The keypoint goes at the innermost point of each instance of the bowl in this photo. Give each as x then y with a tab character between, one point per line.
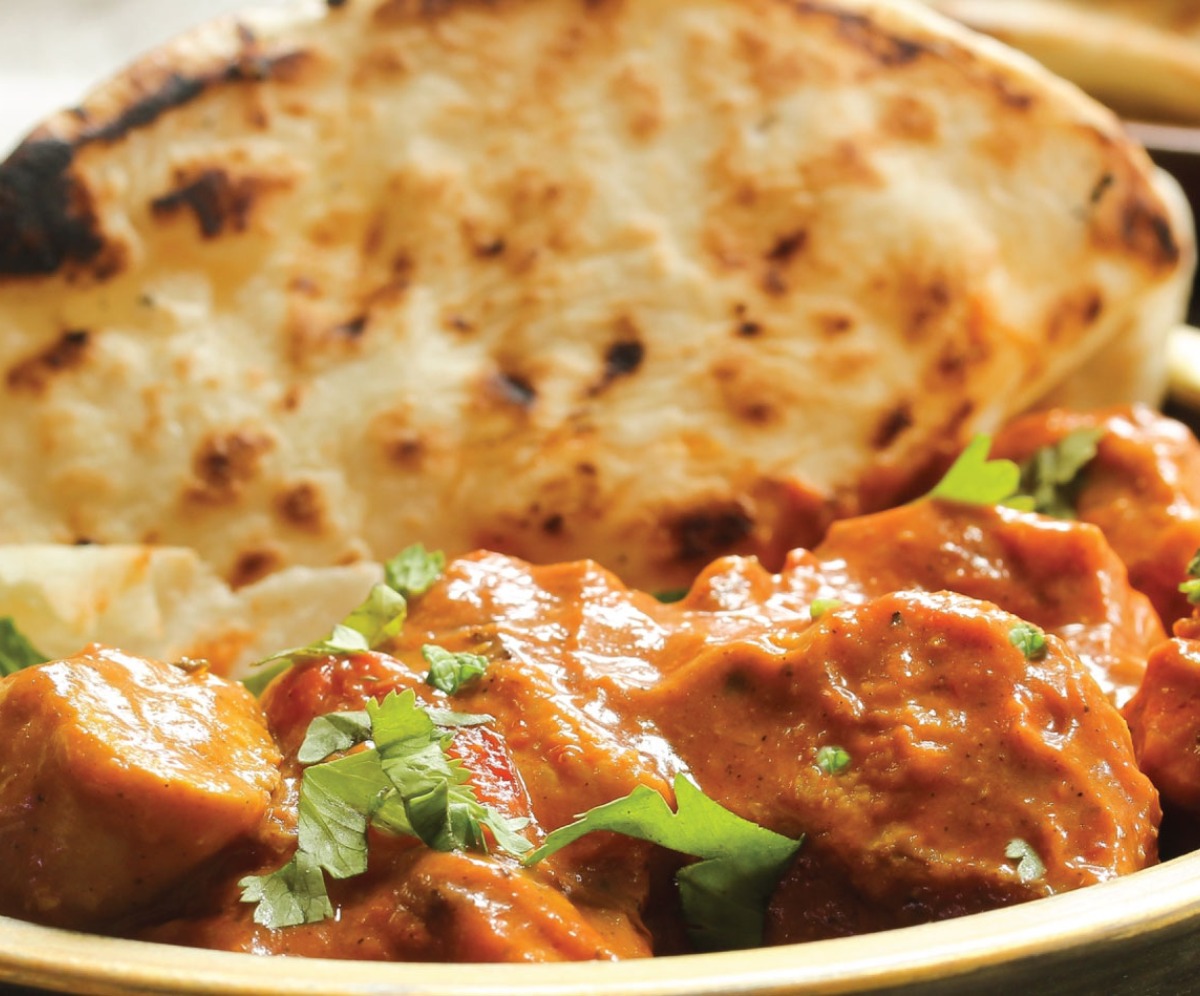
1134	935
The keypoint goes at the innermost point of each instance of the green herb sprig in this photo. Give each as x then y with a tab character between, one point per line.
1029	866
370	626
16	652
403	782
724	894
1029	639
1191	587
1053	475
1048	482
973	479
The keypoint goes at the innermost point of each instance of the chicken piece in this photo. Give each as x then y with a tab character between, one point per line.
120	778
569	646
963	752
1063	576
1142	489
1164	718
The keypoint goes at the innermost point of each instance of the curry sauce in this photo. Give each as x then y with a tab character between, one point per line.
966	665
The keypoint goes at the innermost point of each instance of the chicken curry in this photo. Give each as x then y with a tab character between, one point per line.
943	708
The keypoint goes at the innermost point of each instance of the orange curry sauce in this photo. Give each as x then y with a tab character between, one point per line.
135	795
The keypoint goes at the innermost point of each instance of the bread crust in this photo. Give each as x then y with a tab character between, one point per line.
644	282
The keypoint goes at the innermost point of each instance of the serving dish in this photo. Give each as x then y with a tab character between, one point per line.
1134	935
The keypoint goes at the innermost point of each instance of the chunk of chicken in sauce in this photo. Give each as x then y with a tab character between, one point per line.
415	904
122	779
1062	576
959	744
1142	490
1164	718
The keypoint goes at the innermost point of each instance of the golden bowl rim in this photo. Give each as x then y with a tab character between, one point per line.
1149	902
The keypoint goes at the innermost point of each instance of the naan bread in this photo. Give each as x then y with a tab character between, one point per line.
1142	57
165	602
627	279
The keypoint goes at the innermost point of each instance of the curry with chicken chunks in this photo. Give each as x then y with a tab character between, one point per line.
961	703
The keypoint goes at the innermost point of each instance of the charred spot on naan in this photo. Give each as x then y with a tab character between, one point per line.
225	463
1122	215
303	506
254	565
219	200
35	373
48	222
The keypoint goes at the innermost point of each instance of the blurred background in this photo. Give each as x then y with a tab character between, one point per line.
53	51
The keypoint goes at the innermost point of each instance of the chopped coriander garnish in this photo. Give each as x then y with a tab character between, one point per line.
672	595
724	894
1030	640
333	733
372	625
1052	475
337	800
822	605
1029	865
266	672
413	570
406	783
16	652
1191	587
973	479
288	896
833	760
448	672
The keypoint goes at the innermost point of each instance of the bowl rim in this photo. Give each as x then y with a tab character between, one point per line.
1142	904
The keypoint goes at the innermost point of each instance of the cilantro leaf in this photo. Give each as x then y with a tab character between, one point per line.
820	606
1191	587
833	760
450	718
439	802
448	672
332	734
669	595
1052	475
724	895
290	895
435	788
1030	640
1029	865
265	672
372	624
336	802
973	479
399	724
413	570
406	783
379	618
16	652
